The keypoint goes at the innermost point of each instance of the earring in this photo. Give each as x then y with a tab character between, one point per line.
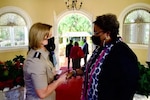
104	43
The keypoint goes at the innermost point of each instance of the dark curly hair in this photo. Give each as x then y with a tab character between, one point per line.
108	23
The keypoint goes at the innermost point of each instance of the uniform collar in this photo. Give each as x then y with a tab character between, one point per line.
44	53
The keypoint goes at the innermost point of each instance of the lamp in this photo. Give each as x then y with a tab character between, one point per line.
73	4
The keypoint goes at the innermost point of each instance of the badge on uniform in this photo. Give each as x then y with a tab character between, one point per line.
37	55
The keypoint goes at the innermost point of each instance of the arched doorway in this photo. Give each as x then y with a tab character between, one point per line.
74	25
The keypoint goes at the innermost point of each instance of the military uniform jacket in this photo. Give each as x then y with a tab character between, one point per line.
38	73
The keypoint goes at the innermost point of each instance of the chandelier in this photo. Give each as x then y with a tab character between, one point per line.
73	4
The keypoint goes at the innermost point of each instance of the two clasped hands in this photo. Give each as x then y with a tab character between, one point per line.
63	77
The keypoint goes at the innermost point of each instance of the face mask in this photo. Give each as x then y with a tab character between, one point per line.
96	40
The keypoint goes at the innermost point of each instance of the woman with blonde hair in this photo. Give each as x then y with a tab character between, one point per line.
39	72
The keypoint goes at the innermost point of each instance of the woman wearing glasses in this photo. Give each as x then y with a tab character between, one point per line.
112	71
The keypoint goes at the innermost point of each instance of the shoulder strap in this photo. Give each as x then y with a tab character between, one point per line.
37	55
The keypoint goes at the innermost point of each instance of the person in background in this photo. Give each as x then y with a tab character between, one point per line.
68	49
85	49
51	47
38	70
75	57
112	72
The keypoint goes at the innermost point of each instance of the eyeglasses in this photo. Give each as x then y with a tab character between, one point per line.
98	32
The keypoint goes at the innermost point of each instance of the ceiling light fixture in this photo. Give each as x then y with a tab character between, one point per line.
73	4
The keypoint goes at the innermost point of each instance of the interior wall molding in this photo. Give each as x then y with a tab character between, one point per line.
58	18
19	11
127	10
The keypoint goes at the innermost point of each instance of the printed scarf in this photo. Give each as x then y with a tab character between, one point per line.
93	69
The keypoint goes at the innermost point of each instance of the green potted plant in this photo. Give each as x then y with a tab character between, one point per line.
144	80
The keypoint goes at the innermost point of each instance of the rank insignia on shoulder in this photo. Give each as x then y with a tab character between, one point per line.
37	55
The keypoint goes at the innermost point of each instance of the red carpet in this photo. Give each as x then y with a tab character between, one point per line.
71	90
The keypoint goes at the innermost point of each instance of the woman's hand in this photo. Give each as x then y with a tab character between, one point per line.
70	74
62	78
79	72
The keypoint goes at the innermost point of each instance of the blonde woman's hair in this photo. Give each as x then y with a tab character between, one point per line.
37	33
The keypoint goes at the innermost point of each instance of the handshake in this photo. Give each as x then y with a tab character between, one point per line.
70	74
73	73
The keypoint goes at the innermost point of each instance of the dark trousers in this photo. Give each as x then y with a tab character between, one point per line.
76	63
68	63
85	58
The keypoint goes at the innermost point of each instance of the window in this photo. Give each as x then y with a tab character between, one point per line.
136	27
13	30
14	27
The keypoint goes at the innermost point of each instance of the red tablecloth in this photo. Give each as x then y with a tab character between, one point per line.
71	90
